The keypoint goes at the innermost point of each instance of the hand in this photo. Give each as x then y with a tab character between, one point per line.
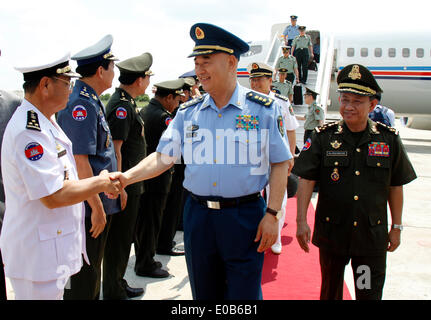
123	198
112	187
98	222
394	239
267	232
290	162
303	235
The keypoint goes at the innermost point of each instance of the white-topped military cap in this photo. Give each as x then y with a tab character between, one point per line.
97	52
47	68
259	69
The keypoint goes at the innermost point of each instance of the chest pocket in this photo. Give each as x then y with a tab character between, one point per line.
335	167
336	161
379	167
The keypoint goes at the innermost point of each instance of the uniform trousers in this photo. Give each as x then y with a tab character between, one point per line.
85	285
37	290
368	285
152	206
117	249
221	255
302	57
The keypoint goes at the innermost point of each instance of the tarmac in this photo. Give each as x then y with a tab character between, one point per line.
408	274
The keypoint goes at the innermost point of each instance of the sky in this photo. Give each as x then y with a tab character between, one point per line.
32	31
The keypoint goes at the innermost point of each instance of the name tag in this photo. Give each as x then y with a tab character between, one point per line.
336	153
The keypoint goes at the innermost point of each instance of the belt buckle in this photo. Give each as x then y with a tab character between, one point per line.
213	205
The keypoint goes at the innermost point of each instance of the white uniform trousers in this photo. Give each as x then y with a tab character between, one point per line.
36	290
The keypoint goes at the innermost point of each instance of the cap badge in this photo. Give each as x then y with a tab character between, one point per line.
255	66
199	33
355	74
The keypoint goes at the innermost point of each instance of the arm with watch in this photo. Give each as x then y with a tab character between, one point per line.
395	200
267	230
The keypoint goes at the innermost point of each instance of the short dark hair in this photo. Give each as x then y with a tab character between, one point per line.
129	78
30	85
89	70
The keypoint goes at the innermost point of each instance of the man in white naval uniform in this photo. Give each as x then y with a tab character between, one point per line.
261	81
42	239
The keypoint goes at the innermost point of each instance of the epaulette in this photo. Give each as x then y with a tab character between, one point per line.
191	102
326	126
259	98
32	121
84	92
388	128
277	95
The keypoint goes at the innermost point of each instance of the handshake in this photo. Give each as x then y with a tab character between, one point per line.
113	183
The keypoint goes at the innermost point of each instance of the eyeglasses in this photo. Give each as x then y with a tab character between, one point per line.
71	84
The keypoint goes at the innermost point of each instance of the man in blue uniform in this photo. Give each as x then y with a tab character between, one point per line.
233	144
84	122
291	31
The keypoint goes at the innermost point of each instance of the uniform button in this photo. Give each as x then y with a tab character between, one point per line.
58	232
219	115
335	163
379	222
357	173
358	150
355	224
378	164
215	184
356	198
215	160
217	137
327	219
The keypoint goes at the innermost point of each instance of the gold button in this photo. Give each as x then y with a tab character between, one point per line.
358	150
246	141
379	222
215	160
378	164
219	115
356	198
355	224
357	173
327	219
58	232
215	184
335	163
217	137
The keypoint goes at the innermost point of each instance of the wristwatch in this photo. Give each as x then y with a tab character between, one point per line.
398	226
275	213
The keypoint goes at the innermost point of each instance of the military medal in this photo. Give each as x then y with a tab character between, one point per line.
378	149
335	176
247	122
335	144
108	139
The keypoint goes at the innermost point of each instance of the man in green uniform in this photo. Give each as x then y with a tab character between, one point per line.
284	87
127	129
361	166
157	116
302	49
288	62
314	116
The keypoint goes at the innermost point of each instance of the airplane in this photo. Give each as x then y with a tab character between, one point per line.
400	62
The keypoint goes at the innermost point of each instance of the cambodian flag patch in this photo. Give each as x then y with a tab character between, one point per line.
168	121
79	113
121	113
378	149
33	151
307	145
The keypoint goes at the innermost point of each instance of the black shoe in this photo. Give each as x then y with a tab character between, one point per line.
155	273
173	252
132	292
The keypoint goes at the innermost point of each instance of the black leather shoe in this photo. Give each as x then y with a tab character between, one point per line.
172	252
155	273
132	292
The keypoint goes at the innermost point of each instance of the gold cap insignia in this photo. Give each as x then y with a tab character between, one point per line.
355	74
199	33
255	66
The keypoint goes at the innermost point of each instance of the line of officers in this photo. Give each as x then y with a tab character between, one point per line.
145	213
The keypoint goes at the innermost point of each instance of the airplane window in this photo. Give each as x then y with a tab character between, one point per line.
350	52
420	52
392	52
406	52
364	52
378	52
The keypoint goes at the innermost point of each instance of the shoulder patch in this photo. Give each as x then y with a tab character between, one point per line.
260	99
32	121
327	126
191	102
277	95
388	128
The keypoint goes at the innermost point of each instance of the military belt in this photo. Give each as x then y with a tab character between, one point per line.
217	203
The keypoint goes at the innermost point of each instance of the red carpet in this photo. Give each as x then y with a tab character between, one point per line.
294	274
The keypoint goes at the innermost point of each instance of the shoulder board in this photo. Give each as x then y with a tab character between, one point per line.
32	121
327	126
281	97
191	102
260	99
388	128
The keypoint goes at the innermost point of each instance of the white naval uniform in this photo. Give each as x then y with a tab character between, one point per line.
39	244
290	123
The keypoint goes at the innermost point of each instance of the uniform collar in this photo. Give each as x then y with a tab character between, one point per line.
159	105
81	88
370	131
125	96
237	99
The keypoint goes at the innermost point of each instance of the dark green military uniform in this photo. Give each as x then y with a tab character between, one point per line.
355	171
127	125
153	201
